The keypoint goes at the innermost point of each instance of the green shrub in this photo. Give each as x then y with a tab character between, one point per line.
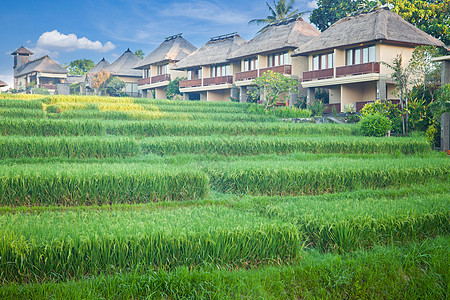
375	125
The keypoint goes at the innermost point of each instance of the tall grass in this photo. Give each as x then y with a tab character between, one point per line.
31	104
88	184
251	145
22	113
54	246
47	127
322	176
69	147
414	271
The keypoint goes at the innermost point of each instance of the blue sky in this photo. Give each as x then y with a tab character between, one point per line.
69	30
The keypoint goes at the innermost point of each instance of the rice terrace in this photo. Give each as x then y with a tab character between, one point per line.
111	198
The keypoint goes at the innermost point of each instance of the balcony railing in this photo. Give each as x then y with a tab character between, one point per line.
144	81
284	69
328	108
154	79
247	75
161	78
190	83
318	74
367	68
48	86
218	80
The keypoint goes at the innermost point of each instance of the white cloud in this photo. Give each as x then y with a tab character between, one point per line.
312	4
54	40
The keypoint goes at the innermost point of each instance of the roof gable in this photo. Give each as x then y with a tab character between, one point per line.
100	66
43	64
123	66
379	25
216	51
22	50
290	33
174	48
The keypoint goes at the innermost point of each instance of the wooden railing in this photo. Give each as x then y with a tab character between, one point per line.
218	80
318	74
48	86
284	69
190	83
367	68
154	79
329	107
247	75
144	81
161	78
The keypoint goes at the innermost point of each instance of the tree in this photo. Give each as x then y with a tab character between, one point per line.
330	11
419	72
139	53
99	79
280	10
114	86
173	88
80	66
431	16
273	86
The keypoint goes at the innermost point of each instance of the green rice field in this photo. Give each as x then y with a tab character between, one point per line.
123	198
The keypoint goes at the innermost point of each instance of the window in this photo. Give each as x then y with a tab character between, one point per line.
194	74
323	61
278	59
163	69
250	64
220	70
363	55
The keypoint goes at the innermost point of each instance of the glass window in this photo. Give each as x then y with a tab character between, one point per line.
350	57
227	70
256	64
357	56
372	55
286	58
316	62
323	62
365	55
270	61
330	60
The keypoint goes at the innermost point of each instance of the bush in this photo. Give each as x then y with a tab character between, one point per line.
375	125
387	109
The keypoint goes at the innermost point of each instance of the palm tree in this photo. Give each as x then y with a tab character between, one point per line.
279	11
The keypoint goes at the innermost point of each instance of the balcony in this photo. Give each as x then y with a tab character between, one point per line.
48	86
161	78
154	79
247	75
367	68
144	81
284	69
318	74
190	83
218	80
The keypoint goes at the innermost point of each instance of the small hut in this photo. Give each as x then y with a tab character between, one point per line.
123	67
209	71
157	66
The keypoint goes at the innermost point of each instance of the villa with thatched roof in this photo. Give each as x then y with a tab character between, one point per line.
271	50
43	71
123	68
3	84
346	58
209	71
88	77
157	66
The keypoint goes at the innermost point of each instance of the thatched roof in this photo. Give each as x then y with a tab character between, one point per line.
216	51
123	66
102	65
286	34
174	48
75	78
43	64
379	25
22	50
2	83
